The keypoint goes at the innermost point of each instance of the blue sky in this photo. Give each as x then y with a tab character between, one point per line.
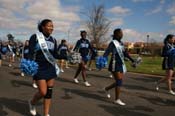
137	18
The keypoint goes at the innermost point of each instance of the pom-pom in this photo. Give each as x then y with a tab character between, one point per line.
29	67
101	62
172	52
136	62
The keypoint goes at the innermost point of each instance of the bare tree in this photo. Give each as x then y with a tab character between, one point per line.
97	24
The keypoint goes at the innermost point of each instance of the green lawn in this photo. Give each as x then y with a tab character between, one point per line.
149	65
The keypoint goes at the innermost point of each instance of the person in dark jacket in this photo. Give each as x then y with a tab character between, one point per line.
46	71
117	65
168	62
83	46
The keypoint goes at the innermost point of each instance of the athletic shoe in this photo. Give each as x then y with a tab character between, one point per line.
76	80
157	86
62	70
32	109
107	93
67	67
22	74
87	84
172	92
118	101
35	85
10	65
110	76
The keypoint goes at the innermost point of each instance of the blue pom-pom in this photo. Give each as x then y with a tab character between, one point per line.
172	51
29	67
101	62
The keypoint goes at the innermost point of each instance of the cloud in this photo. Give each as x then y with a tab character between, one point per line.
118	10
142	0
171	9
154	11
24	14
172	21
131	35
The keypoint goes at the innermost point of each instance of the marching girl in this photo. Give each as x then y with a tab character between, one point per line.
168	63
82	46
63	53
117	65
46	71
4	50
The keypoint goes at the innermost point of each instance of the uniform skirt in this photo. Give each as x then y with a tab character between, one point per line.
46	71
115	67
168	63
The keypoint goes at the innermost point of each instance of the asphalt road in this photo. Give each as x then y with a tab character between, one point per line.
70	99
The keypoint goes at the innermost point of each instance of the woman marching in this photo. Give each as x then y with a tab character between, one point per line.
63	53
82	46
168	63
42	49
117	65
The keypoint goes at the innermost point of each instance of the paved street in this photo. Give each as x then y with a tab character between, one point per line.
70	99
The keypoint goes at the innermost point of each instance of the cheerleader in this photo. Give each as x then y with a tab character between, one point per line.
63	53
46	71
82	46
168	63
116	65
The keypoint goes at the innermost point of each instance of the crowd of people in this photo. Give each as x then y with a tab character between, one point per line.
43	49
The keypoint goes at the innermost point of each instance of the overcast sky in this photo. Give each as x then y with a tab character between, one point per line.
137	18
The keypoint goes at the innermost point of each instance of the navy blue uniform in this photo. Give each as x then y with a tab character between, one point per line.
26	52
168	60
94	53
116	64
83	46
4	49
62	51
46	70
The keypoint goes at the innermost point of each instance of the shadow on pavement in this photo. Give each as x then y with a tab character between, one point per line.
135	87
123	111
86	94
15	105
159	101
18	83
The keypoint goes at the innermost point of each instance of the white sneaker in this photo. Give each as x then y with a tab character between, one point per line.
157	86
107	93
172	92
10	65
110	76
87	84
32	108
62	70
22	74
76	80
35	85
67	67
118	101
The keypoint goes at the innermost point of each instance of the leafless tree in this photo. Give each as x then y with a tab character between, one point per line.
97	24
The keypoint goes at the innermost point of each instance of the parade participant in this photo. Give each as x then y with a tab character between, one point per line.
82	46
63	53
168	63
117	66
43	49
